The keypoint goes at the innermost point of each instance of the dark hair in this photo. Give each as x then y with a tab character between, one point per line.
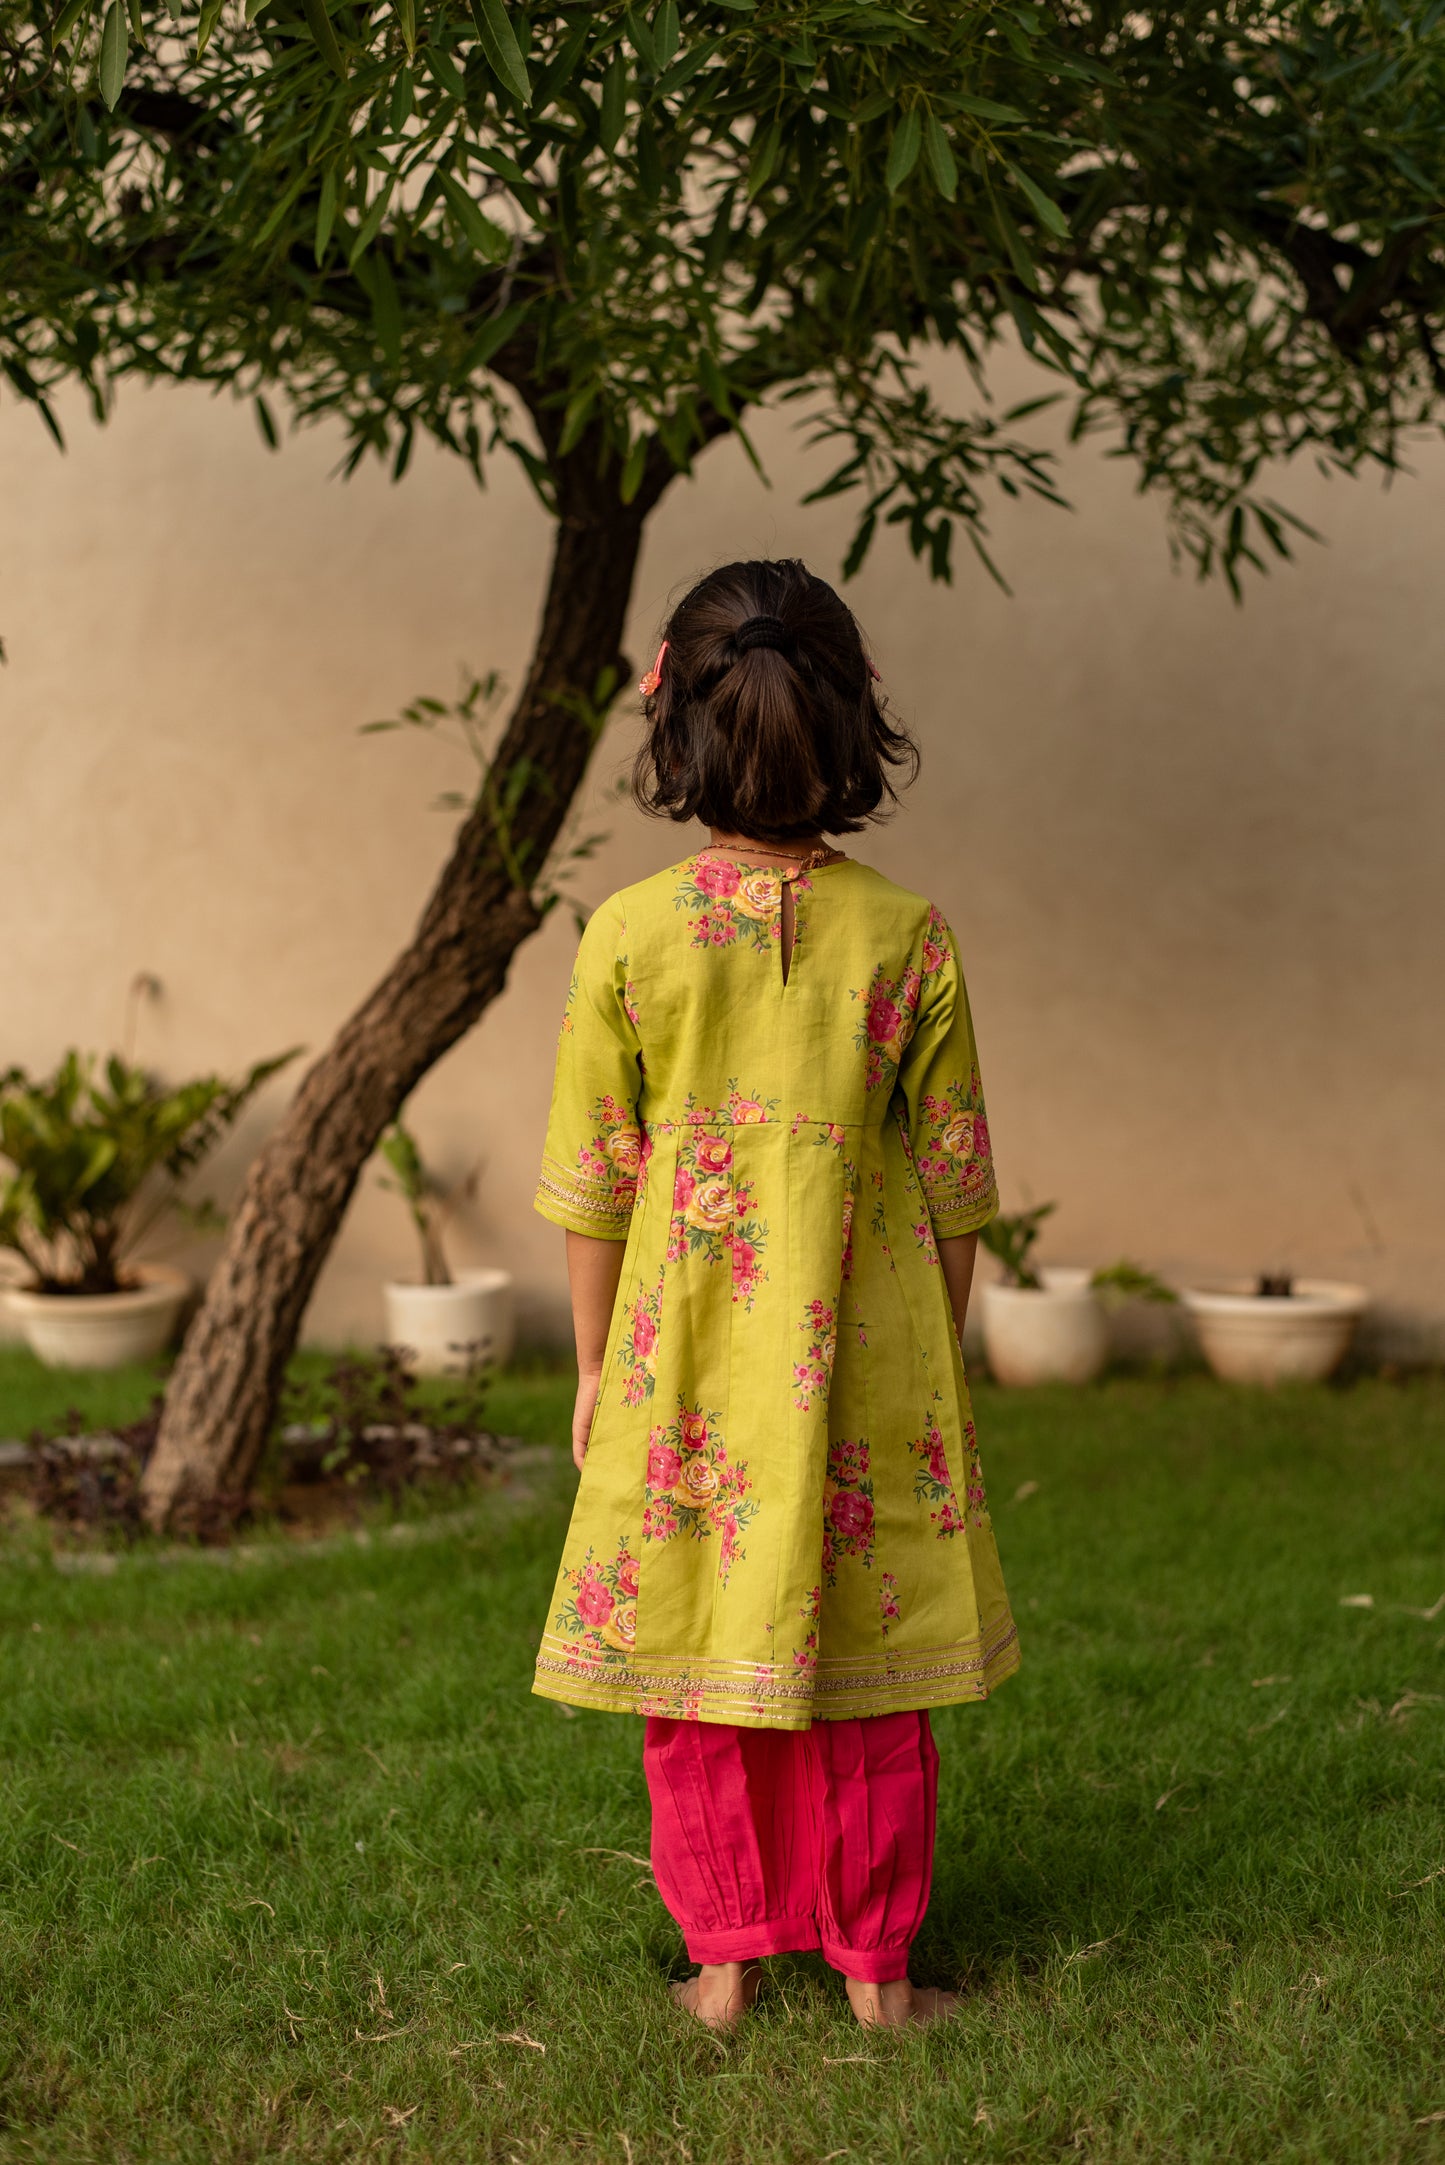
766	721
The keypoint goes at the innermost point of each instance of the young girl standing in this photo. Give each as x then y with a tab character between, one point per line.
767	1146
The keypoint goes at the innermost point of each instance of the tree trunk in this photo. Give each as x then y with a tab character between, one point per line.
221	1400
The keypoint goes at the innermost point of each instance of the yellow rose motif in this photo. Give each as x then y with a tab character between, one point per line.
747	1112
759	894
620	1629
711	1205
624	1147
697	1484
958	1136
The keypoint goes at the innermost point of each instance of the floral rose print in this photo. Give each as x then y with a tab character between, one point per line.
745	1111
805	1655
637	1348
729	904
952	1151
611	1158
973	1476
847	1507
811	1375
937	945
599	1609
692	1489
890	1008
888	1609
714	1215
932	1481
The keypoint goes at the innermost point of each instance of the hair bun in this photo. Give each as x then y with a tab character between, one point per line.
768	631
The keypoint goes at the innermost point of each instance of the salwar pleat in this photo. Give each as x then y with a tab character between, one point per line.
773	1841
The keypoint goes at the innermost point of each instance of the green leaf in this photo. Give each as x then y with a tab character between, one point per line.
665	34
940	157
493	336
318	22
649	160
445	72
210	16
614	101
499	43
403	100
1045	207
137	22
386	310
406	19
370	224
634	469
265	421
68	17
325	213
985	108
488	238
903	155
114	51
764	157
579	406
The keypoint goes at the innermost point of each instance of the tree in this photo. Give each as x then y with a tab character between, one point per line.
595	236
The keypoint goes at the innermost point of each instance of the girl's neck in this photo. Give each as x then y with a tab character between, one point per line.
773	852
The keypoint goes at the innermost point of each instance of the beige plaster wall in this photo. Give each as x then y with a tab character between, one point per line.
1193	853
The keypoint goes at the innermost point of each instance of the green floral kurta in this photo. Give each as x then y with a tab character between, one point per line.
781	1517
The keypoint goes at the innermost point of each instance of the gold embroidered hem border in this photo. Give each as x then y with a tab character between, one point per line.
765	1696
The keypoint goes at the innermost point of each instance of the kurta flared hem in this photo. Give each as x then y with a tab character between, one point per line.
753	1695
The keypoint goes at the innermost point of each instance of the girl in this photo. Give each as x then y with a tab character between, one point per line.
767	1137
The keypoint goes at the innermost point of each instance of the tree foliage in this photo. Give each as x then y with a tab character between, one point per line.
612	230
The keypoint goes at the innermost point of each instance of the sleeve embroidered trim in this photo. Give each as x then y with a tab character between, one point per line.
569	1198
962	1206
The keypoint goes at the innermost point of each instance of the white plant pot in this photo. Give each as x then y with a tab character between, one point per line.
102	1330
448	1328
1057	1333
1298	1337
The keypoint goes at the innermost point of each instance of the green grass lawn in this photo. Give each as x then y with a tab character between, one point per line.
293	1868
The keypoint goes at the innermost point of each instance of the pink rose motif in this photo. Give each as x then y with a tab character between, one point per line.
594	1603
694	1430
745	1257
627	1569
714	1153
937	1461
715	878
682	1188
851	1514
747	1112
663	1467
884	1020
644	1333
980	1136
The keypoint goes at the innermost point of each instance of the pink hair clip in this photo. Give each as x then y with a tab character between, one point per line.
648	685
875	672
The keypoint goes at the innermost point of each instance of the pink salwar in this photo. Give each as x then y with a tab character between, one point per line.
775	1841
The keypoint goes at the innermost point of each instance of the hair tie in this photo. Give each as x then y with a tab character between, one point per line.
648	685
764	631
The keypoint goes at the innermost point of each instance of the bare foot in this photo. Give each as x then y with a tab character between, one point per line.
720	1994
894	2006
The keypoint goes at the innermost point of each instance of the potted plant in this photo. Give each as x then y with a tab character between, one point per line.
94	1161
1279	1329
447	1323
1040	1325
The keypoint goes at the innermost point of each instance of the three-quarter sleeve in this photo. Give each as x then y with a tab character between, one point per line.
593	1151
942	1097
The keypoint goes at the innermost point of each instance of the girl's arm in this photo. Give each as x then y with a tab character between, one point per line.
594	1269
956	1256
